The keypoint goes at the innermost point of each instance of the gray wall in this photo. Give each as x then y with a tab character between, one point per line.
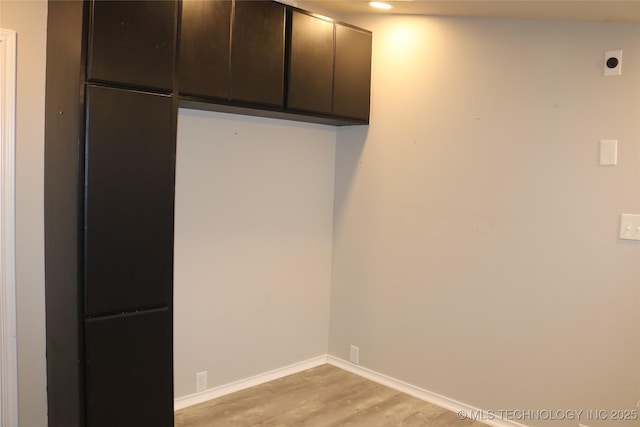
475	235
29	19
254	203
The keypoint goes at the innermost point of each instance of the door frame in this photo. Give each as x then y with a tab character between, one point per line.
8	331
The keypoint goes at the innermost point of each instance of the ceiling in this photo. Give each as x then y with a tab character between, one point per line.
570	10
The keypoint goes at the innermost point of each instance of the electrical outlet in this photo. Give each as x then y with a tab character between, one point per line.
354	354
201	381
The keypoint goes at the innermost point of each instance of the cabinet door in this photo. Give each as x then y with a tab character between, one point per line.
129	201
311	64
133	43
352	79
129	370
257	53
204	48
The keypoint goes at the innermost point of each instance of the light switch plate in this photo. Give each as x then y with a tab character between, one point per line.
630	227
609	152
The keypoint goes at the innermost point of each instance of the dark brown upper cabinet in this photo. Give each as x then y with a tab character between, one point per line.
311	64
352	78
329	68
205	48
132	43
268	59
257	53
233	51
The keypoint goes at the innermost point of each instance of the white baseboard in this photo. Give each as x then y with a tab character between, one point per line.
212	393
425	395
471	412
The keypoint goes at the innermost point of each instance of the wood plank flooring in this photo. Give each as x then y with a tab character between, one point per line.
324	396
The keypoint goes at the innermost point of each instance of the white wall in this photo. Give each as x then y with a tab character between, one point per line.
29	20
254	203
475	235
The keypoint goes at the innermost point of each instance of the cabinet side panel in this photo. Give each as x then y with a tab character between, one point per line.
204	48
63	212
352	80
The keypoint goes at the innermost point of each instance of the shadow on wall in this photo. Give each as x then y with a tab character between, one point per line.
349	146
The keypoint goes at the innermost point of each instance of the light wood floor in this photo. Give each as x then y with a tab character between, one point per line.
324	396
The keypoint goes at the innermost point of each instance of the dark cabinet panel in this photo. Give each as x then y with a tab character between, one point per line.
205	48
129	370
63	213
129	200
257	53
352	78
311	64
132	42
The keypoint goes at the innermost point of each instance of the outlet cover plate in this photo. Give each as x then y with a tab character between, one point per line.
354	354
201	381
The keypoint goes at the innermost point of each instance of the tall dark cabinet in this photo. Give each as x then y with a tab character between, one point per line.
117	71
109	172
